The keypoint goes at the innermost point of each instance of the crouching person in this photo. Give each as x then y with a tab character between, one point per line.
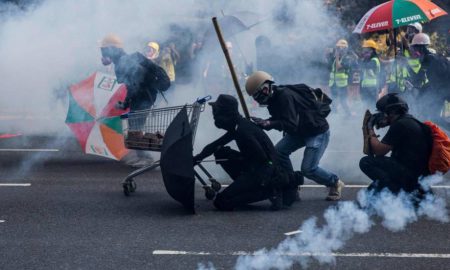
409	141
254	168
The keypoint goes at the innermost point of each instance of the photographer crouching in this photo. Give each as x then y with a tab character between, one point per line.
407	138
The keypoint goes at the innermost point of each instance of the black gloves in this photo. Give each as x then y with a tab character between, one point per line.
264	124
206	152
375	120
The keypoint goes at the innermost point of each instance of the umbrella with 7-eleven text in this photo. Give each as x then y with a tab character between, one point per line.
397	13
93	118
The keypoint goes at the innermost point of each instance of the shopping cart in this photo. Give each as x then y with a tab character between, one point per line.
144	130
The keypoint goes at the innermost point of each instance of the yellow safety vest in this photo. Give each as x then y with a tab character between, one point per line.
413	63
370	78
338	77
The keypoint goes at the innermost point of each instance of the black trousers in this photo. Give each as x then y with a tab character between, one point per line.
385	172
247	186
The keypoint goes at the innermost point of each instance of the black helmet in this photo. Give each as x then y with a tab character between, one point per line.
391	102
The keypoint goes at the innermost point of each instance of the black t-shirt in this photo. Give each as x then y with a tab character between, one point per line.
411	144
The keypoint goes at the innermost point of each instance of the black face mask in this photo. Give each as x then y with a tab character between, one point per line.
224	120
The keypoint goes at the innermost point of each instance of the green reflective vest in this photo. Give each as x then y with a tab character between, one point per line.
339	77
370	78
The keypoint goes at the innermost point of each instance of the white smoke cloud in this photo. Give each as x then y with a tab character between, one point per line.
318	242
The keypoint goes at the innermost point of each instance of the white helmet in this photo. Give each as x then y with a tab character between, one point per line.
421	39
417	26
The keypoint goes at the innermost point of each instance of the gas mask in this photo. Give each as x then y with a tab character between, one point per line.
264	93
107	55
367	53
416	52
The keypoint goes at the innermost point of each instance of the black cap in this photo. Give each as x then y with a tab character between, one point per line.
391	101
225	103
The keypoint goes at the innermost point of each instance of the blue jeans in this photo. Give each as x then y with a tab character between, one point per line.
315	147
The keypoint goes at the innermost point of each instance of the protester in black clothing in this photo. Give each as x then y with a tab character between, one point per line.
437	69
143	78
294	114
254	168
409	141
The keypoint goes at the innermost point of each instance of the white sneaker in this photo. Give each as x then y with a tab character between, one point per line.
335	192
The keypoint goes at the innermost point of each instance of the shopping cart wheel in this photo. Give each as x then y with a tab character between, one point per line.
216	186
126	189
133	185
129	187
209	193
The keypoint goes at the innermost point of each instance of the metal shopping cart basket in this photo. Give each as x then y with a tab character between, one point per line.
144	130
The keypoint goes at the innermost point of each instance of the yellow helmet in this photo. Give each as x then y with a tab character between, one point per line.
255	80
154	45
342	43
111	40
370	44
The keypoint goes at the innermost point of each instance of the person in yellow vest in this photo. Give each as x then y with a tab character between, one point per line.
163	59
371	69
340	69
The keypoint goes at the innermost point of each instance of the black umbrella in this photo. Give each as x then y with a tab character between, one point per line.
176	161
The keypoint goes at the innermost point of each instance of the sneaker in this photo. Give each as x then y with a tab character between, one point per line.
335	191
277	200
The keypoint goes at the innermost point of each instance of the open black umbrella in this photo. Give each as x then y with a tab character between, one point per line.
176	161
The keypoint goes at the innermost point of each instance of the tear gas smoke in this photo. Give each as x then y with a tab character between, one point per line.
343	221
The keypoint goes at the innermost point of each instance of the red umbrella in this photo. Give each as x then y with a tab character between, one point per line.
93	118
397	13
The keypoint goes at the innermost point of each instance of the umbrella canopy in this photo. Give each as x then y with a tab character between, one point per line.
176	161
93	118
397	13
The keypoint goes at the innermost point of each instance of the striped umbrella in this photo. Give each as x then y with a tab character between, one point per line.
397	13
93	118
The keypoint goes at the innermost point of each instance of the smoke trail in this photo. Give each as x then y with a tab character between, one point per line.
341	223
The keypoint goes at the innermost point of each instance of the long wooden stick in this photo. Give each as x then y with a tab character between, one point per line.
231	67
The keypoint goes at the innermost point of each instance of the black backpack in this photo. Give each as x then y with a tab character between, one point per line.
315	100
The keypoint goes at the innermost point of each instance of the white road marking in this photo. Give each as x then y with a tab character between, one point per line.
27	150
293	232
353	186
15	184
305	254
2	221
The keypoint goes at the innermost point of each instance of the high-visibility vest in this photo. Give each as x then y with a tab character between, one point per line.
370	78
339	77
413	63
398	77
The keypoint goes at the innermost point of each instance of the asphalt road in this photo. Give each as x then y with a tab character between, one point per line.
67	211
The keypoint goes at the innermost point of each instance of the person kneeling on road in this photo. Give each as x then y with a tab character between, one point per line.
254	168
293	110
409	140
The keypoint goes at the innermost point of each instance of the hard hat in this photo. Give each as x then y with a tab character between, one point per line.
111	40
391	101
153	45
255	81
417	26
370	44
421	39
342	43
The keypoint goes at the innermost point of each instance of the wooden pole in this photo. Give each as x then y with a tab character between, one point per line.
231	67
